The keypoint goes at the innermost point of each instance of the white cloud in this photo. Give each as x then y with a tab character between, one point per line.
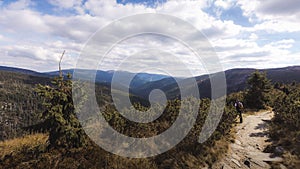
192	12
278	7
153	51
22	21
247	53
1	37
282	44
38	37
253	37
273	15
112	10
41	56
77	28
225	4
273	26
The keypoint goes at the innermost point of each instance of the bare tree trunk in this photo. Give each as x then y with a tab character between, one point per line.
59	65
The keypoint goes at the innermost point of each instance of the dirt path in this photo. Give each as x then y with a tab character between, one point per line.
250	140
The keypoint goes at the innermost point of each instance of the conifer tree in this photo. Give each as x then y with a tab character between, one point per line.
258	89
59	117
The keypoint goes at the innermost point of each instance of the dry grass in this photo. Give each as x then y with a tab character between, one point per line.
291	161
24	153
9	147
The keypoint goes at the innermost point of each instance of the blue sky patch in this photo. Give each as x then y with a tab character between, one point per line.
236	15
150	3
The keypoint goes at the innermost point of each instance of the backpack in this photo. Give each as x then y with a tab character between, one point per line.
240	105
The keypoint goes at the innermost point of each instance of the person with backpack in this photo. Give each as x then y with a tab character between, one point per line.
239	107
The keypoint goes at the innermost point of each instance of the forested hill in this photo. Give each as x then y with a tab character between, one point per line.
236	80
21	71
18	101
20	104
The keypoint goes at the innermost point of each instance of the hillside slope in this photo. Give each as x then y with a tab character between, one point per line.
236	80
18	102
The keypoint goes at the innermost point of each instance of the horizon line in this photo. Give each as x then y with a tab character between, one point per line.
52	71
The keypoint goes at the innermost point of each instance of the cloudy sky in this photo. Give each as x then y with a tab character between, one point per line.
256	33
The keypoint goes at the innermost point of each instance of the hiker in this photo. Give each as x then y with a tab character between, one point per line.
239	107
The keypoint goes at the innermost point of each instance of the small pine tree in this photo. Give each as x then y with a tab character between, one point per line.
59	117
258	89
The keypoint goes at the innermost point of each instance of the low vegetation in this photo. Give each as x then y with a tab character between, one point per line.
66	147
285	128
8	148
188	154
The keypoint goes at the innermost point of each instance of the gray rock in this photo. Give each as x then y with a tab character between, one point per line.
236	162
233	155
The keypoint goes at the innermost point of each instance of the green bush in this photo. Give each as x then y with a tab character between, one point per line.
285	128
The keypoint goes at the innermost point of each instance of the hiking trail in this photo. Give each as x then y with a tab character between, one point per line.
251	138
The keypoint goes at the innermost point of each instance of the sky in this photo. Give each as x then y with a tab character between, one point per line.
244	34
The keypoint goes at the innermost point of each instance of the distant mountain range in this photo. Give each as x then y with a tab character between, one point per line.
236	80
20	70
106	76
143	83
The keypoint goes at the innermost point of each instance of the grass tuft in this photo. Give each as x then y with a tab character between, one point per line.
9	147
